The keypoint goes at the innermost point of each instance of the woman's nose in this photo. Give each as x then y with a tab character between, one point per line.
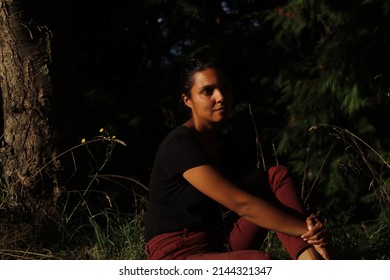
219	97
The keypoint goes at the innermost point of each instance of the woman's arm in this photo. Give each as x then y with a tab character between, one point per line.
256	210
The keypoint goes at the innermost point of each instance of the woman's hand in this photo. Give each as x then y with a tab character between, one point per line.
317	236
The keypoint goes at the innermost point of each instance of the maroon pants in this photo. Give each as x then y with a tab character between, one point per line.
244	238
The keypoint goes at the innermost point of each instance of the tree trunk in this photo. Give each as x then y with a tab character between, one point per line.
28	164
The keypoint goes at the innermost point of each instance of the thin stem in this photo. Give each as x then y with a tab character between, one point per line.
258	143
354	136
319	173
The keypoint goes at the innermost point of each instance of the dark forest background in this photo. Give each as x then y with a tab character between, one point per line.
311	80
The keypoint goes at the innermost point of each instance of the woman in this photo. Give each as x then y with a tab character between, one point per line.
188	189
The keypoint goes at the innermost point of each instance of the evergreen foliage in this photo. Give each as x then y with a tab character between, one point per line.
333	83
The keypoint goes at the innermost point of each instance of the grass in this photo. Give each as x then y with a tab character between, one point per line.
89	225
116	236
91	233
109	234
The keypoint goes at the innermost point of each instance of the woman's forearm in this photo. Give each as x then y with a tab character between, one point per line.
266	215
256	210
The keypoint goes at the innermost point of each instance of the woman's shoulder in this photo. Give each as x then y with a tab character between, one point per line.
181	150
180	139
181	129
179	133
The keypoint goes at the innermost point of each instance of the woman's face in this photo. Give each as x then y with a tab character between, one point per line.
211	97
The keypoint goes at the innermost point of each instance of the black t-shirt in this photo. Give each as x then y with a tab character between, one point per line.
174	203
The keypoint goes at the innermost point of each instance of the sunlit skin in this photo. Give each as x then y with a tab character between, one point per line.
210	101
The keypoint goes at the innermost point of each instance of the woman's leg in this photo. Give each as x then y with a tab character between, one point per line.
246	236
286	193
276	186
184	245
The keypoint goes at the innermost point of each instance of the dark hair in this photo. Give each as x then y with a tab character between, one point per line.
193	66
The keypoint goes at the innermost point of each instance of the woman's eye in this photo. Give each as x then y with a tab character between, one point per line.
208	91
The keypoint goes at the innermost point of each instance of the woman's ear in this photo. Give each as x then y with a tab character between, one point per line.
186	100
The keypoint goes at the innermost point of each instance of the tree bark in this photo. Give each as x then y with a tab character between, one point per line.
28	164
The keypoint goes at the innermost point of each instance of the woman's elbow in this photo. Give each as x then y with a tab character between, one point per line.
243	209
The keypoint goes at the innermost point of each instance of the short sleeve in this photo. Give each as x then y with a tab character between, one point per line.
181	151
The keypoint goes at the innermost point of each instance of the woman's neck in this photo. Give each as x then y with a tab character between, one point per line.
205	131
207	138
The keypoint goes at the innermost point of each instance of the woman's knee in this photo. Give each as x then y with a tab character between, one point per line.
277	175
279	170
